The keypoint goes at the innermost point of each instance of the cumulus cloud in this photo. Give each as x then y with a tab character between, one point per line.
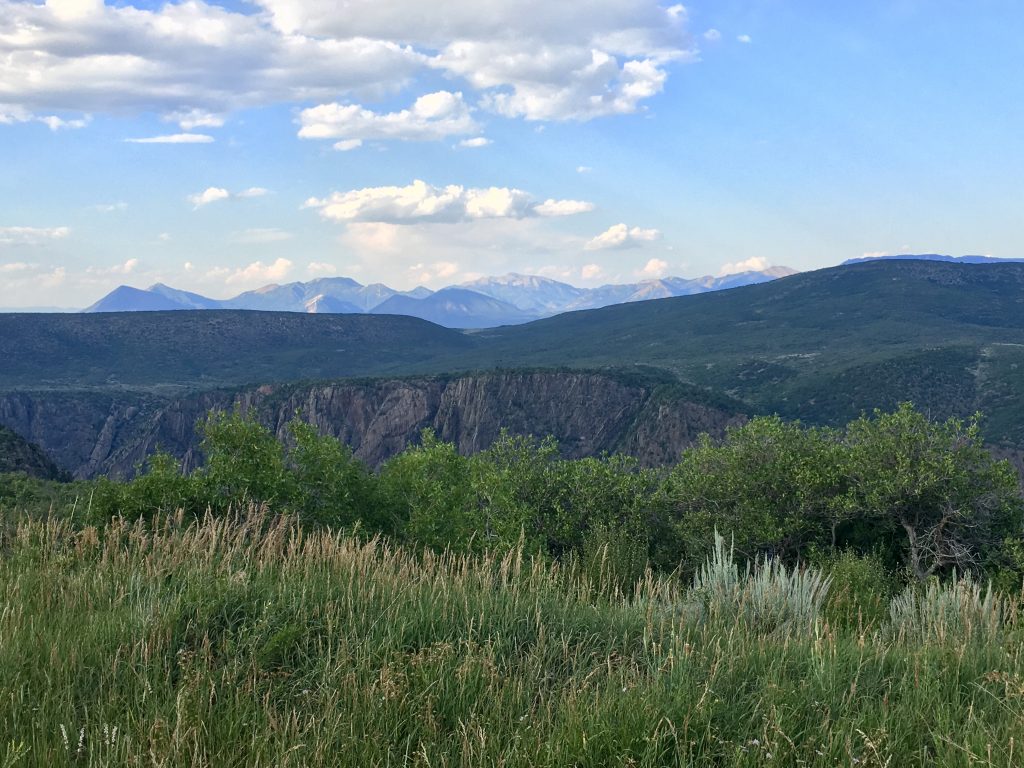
591	271
15	266
193	62
744	38
563	207
208	195
422	202
654	269
191	119
14	113
188	61
321	268
257	272
175	138
126	268
32	235
753	264
215	194
475	143
622	236
712	35
583	169
432	117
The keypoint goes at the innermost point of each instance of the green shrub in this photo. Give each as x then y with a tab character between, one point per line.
861	590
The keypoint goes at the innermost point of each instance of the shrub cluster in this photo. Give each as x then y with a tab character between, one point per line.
896	491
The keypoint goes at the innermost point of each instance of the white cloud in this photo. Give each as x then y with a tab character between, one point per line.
583	169
215	194
347	145
208	195
654	269
127	268
164	237
16	266
591	271
422	202
753	264
475	143
176	138
621	236
15	113
55	123
321	268
190	61
563	207
712	35
191	119
54	278
260	236
432	117
32	235
744	38
257	272
194	62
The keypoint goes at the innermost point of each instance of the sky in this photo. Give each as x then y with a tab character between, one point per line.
219	147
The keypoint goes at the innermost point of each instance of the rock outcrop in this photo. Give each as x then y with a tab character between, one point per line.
91	434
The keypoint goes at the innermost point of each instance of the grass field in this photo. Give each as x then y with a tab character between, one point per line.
230	643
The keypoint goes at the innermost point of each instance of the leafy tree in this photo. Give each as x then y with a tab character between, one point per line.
330	486
773	485
935	484
244	462
428	490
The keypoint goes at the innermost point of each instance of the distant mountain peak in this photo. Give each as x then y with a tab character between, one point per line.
486	302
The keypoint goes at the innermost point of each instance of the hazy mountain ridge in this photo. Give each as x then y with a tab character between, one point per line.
933	257
484	303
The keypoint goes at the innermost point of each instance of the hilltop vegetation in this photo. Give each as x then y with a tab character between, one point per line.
283	605
924	498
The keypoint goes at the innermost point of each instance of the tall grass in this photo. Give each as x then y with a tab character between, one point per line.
250	642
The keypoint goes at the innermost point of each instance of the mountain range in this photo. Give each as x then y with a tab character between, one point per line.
485	303
98	392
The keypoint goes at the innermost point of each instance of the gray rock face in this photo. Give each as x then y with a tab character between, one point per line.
91	434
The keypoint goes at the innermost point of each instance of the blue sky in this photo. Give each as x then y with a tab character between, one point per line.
220	147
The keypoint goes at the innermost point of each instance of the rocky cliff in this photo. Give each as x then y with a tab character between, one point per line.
97	433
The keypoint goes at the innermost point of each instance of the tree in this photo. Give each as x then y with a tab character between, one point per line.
934	482
771	485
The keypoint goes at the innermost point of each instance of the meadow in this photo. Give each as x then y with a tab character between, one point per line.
249	641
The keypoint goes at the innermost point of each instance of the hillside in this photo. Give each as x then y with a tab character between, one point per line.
19	455
820	346
209	349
